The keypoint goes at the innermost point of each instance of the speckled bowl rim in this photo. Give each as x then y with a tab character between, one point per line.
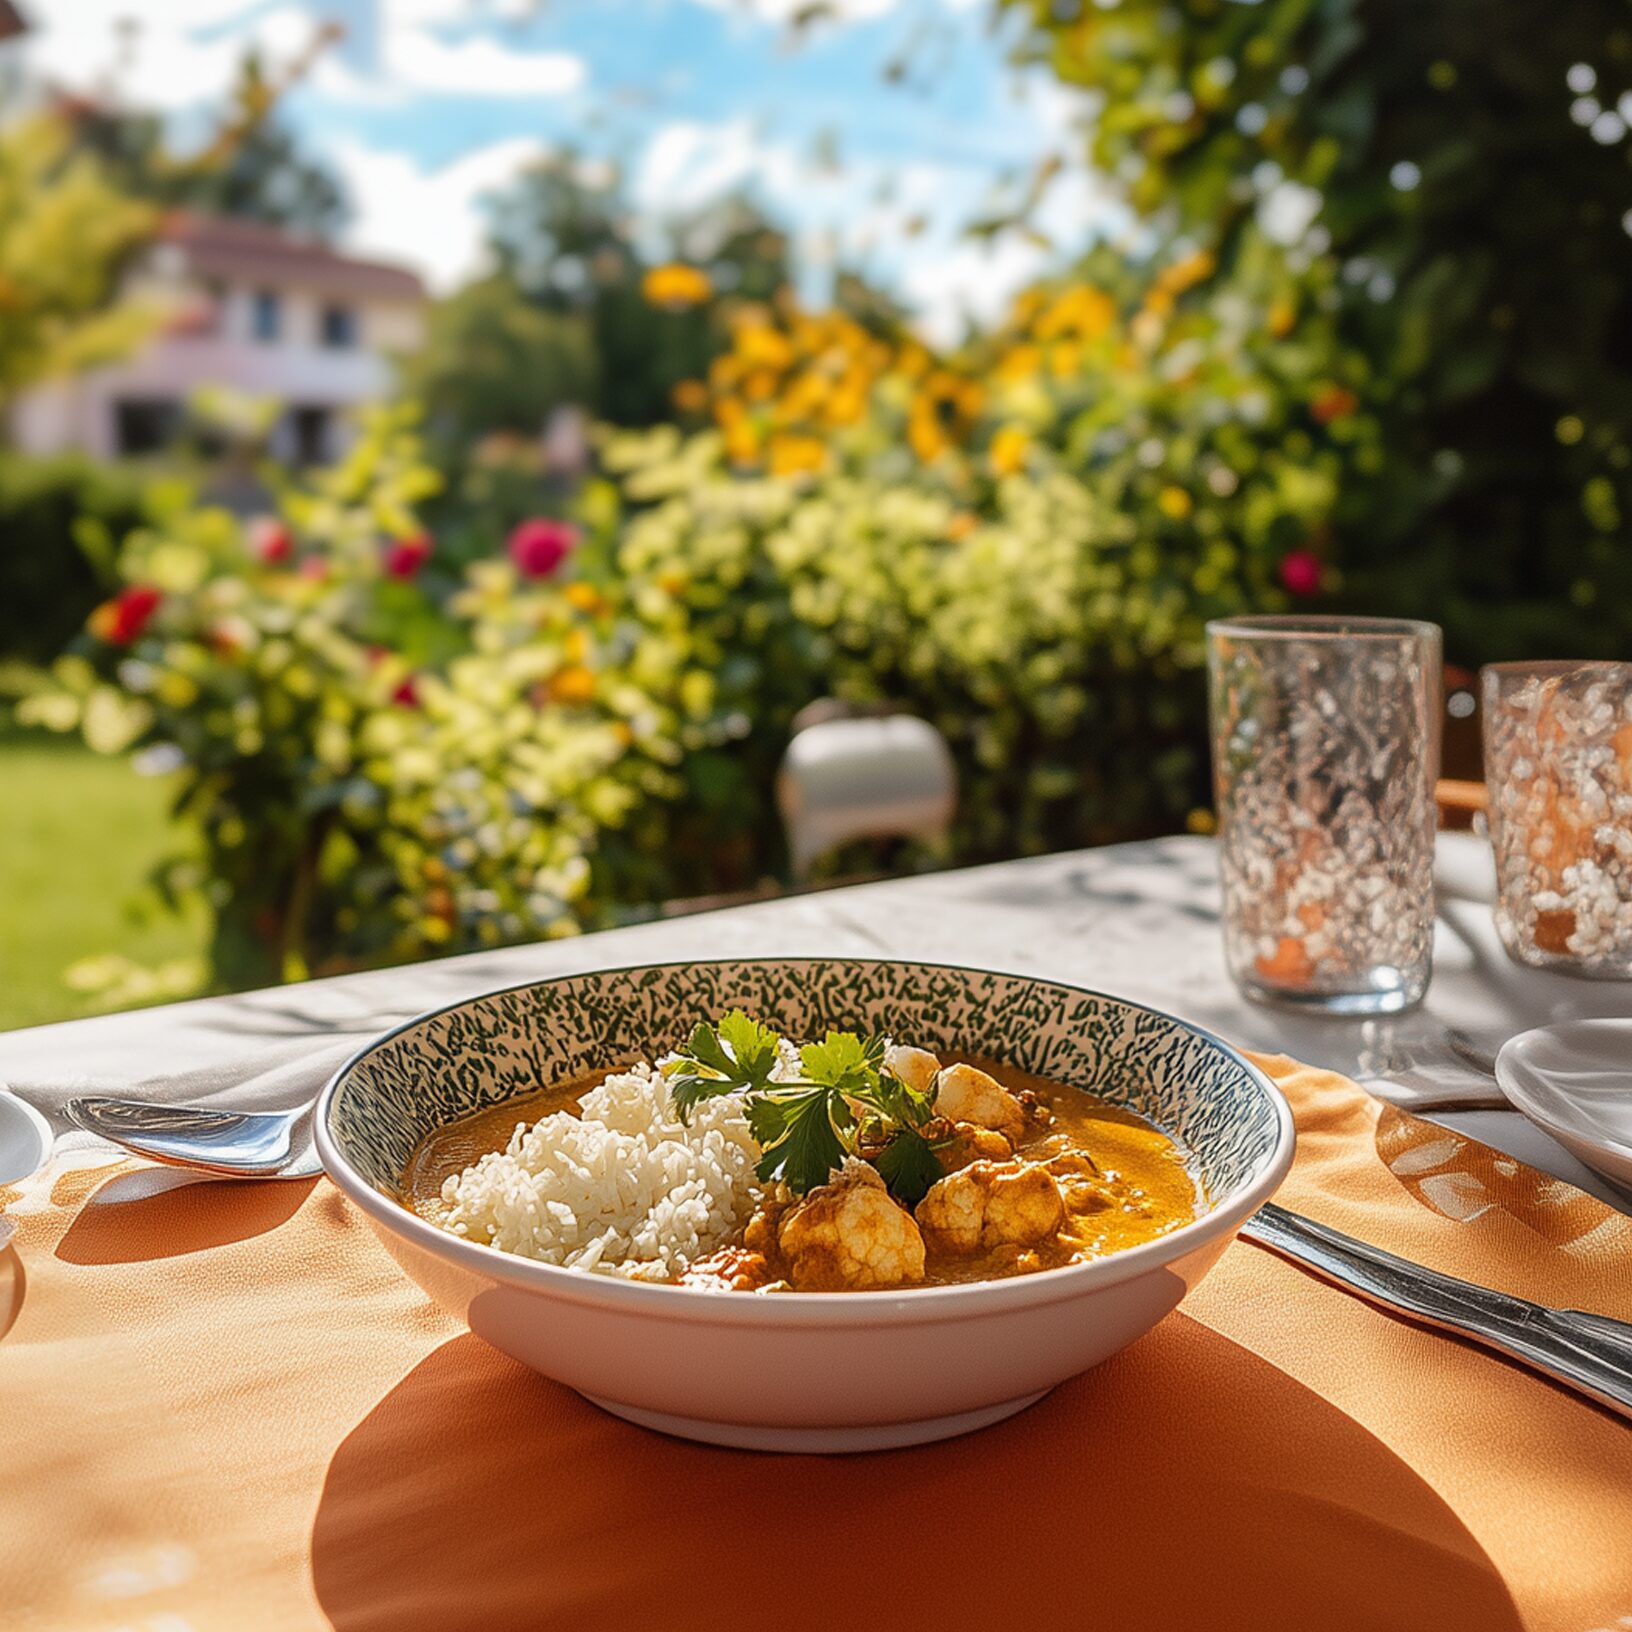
924	1304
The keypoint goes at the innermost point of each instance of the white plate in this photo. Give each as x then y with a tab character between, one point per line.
25	1139
1574	1081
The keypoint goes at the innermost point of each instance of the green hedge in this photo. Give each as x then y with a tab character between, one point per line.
54	514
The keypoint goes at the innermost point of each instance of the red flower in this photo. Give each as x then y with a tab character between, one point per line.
122	620
538	546
405	556
271	540
1300	572
1333	402
407	693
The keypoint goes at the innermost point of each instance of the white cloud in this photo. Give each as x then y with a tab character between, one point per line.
860	215
430	219
783	11
161	62
687	163
420	60
186	53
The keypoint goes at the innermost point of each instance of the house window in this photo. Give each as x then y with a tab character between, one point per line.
309	434
339	327
145	424
266	315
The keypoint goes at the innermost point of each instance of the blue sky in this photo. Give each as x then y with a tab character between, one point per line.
429	104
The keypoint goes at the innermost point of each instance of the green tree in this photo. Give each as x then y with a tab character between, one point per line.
252	166
1450	186
66	232
563	234
493	360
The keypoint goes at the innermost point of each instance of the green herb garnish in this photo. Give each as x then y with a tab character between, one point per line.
846	1103
740	1054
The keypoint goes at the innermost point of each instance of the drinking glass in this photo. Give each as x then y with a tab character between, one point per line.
1325	755
1558	763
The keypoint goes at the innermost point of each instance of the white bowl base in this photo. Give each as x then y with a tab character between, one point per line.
881	1436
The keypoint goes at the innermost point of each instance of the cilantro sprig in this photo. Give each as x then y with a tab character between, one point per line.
846	1102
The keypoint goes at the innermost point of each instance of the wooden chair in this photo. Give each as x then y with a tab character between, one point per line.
1459	802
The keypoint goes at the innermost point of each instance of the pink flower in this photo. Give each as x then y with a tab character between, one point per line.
270	540
1300	572
539	545
315	568
405	556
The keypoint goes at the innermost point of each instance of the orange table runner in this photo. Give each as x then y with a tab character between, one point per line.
222	1407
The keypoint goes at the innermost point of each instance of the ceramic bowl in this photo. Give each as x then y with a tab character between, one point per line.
1574	1081
25	1138
804	1371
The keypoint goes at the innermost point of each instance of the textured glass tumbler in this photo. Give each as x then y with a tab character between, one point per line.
1558	762
1325	755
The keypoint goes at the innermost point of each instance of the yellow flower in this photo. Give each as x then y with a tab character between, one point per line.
1008	450
676	285
913	361
846	405
962	524
573	684
795	455
760	385
1281	318
1019	363
690	396
1174	503
925	436
1065	359
584	597
741	443
758	345
1083	311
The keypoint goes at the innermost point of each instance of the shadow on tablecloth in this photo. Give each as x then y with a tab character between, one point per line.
1184	1484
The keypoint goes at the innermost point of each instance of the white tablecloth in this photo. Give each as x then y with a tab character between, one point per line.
1140	920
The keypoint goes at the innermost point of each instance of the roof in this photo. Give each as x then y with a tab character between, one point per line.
256	252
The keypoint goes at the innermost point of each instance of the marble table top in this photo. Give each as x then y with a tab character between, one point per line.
1139	920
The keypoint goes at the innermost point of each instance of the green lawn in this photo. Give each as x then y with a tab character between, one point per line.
78	834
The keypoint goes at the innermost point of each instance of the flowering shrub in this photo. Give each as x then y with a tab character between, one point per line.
1020	542
375	777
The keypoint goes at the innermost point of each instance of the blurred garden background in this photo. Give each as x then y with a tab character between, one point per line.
444	444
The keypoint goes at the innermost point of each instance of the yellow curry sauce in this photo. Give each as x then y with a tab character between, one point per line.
1143	1187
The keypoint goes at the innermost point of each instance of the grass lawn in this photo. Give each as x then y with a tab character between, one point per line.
77	838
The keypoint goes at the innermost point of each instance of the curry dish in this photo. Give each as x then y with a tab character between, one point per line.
860	1164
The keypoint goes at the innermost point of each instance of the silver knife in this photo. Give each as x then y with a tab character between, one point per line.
1589	1353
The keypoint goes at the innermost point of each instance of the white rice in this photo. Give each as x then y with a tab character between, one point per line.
622	1188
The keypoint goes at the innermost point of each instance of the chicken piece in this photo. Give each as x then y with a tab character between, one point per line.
965	1093
730	1269
848	1235
1081	1182
916	1067
965	1142
990	1204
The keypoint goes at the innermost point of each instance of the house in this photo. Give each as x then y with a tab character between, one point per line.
248	307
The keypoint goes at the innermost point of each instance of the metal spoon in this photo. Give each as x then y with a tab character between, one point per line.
232	1144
